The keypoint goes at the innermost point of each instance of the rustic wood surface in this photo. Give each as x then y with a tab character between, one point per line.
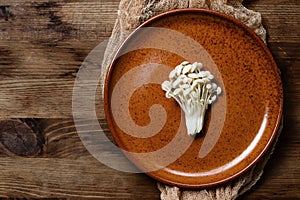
42	45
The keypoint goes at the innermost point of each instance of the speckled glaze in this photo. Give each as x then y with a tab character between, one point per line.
252	91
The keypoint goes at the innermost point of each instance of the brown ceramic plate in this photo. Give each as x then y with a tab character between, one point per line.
150	128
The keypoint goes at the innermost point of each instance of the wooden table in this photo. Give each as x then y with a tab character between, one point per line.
42	46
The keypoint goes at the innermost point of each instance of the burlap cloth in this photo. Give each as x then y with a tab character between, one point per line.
131	14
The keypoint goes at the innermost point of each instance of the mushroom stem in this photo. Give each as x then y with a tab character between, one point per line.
193	90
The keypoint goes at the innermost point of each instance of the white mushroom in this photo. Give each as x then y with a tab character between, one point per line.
193	90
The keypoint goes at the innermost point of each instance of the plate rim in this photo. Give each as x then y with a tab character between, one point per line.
276	129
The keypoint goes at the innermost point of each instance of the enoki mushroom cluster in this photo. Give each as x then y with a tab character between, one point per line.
193	90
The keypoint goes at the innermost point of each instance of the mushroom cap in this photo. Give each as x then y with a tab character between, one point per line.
193	89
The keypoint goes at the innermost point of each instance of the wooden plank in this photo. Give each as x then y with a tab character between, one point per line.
63	148
42	46
20	138
280	18
281	179
51	97
62	140
65	178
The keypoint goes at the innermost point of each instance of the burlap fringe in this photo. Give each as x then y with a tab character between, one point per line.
130	15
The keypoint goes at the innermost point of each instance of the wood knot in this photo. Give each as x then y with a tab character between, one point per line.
20	138
5	13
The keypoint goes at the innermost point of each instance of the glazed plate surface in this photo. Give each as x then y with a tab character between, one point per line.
239	126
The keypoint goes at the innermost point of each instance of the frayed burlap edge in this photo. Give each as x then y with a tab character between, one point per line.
131	14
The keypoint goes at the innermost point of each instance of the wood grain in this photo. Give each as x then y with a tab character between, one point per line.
64	149
61	178
20	138
42	46
280	18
